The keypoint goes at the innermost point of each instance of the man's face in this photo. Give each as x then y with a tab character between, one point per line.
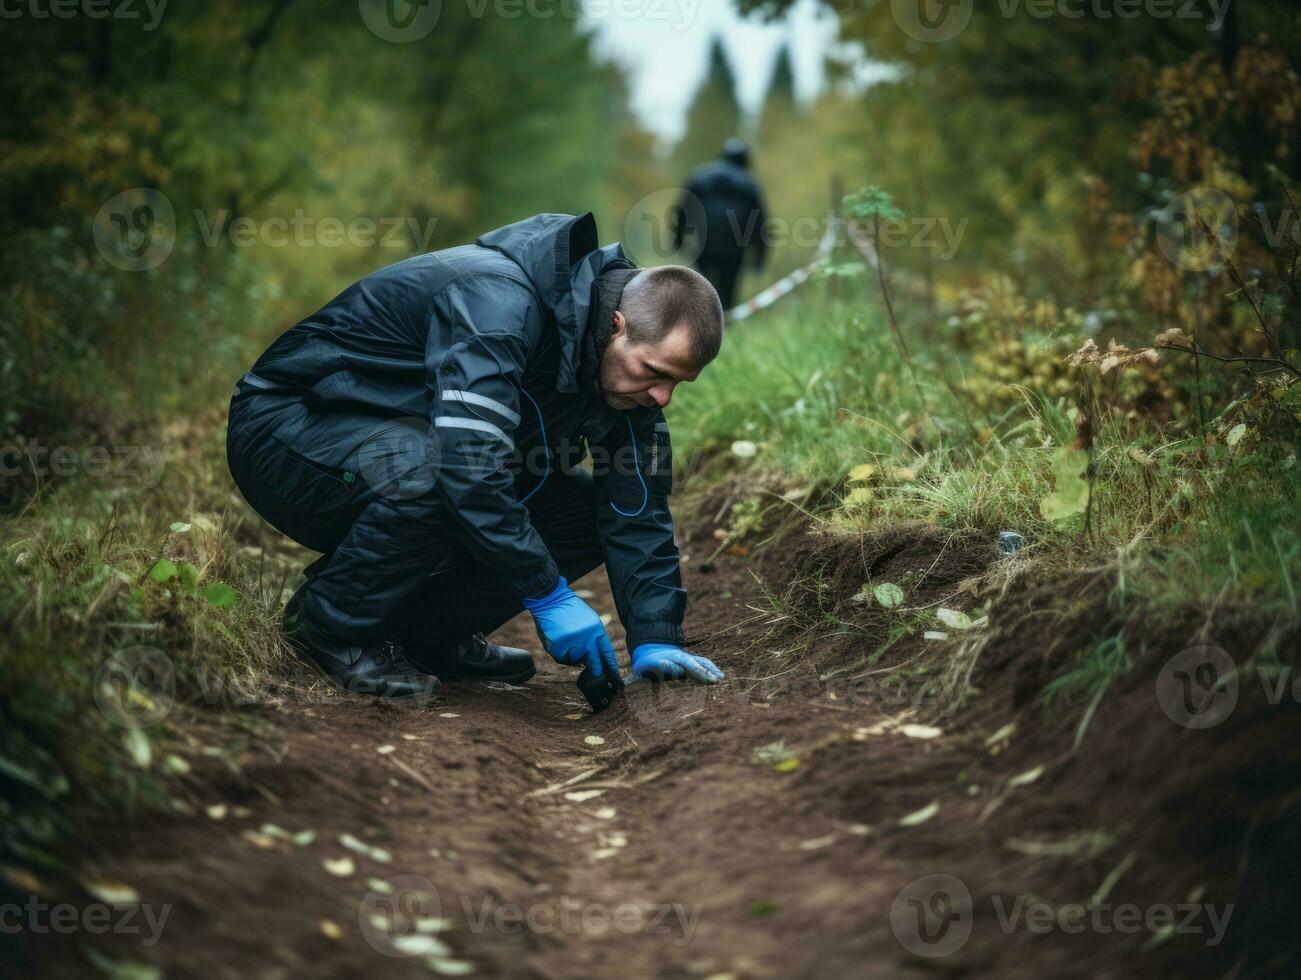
634	374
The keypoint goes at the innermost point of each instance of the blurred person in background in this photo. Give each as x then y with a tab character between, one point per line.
722	207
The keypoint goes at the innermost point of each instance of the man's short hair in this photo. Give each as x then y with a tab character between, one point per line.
658	299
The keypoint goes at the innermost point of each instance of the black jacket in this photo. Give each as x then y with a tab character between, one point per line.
723	208
484	342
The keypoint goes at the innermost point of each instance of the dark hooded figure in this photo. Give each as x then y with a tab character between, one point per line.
722	207
424	429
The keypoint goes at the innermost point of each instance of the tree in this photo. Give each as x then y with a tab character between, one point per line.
714	115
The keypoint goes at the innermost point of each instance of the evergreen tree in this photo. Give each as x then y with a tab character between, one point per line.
715	114
779	105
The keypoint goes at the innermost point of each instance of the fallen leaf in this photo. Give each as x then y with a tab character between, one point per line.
935	635
576	716
217	811
449	968
888	595
330	929
787	765
920	816
594	740
817	843
386	749
339	867
1003	734
954	618
137	744
364	849
605	813
744	448
22	879
920	731
113	892
861	472
600	854
583	795
1026	777
449	714
121	969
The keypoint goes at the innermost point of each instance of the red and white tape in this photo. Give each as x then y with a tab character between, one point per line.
766	297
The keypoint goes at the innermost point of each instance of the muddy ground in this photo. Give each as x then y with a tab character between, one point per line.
671	837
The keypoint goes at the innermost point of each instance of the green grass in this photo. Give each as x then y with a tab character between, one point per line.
1183	519
76	591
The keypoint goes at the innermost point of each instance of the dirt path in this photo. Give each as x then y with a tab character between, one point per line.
647	841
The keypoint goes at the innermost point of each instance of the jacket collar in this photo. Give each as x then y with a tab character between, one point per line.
560	255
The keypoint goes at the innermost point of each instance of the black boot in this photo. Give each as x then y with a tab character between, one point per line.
381	670
475	659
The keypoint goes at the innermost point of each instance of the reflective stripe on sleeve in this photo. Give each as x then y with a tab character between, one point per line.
474	398
448	422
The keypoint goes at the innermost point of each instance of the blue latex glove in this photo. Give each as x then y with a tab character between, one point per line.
666	662
571	631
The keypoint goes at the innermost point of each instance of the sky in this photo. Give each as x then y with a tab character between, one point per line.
664	47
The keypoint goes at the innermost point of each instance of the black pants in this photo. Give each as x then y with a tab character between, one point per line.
393	566
722	271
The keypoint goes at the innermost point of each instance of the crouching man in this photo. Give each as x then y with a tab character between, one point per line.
422	430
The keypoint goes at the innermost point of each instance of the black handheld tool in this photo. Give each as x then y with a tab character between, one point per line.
599	691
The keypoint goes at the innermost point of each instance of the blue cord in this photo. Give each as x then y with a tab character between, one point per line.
645	493
545	448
